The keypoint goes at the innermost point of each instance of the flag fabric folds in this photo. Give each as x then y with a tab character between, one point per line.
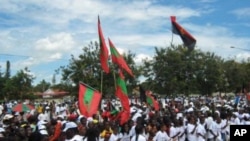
103	49
152	101
188	40
122	94
118	59
88	100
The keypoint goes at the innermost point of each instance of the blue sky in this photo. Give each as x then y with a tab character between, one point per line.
42	34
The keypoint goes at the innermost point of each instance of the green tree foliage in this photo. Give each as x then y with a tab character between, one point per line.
19	86
42	86
86	68
175	70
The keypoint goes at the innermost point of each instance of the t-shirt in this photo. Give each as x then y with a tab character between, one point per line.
76	138
161	136
140	138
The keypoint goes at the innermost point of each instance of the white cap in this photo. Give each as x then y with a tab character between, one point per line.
7	116
69	125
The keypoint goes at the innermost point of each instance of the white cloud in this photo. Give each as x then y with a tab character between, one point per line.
62	42
242	13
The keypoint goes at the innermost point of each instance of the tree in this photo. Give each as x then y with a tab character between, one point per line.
42	86
87	69
20	85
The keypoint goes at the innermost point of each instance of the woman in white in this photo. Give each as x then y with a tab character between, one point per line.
124	134
138	133
191	129
201	133
161	135
181	128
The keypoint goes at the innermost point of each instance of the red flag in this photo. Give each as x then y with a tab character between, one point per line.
122	94
88	100
103	49
152	101
188	40
118	59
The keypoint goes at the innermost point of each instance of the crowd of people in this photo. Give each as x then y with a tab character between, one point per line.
198	118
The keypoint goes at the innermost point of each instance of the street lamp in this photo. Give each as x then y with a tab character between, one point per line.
240	48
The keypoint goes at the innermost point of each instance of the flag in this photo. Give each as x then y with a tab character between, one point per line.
122	94
103	49
152	101
188	40
143	97
121	91
118	59
88	100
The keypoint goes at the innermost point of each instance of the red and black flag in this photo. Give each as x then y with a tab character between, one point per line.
188	40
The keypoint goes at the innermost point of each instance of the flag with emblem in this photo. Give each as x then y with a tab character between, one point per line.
188	40
152	101
88	100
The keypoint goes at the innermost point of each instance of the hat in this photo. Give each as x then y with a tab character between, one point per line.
7	116
69	125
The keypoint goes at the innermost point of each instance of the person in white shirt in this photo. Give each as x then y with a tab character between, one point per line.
124	134
201	133
161	135
235	120
182	129
138	133
191	129
173	131
115	135
71	132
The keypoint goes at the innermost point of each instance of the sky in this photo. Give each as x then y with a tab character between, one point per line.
43	34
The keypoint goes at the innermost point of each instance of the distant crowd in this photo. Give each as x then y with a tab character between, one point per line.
198	118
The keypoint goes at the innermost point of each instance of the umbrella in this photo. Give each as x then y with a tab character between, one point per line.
22	107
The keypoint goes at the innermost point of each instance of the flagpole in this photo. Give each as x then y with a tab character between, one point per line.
88	86
172	38
114	79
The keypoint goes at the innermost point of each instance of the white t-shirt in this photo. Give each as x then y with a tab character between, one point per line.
181	129
190	136
124	137
140	138
75	138
113	137
161	136
200	130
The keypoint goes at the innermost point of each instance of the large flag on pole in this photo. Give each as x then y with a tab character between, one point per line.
121	91
188	40
88	100
103	49
118	59
122	94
